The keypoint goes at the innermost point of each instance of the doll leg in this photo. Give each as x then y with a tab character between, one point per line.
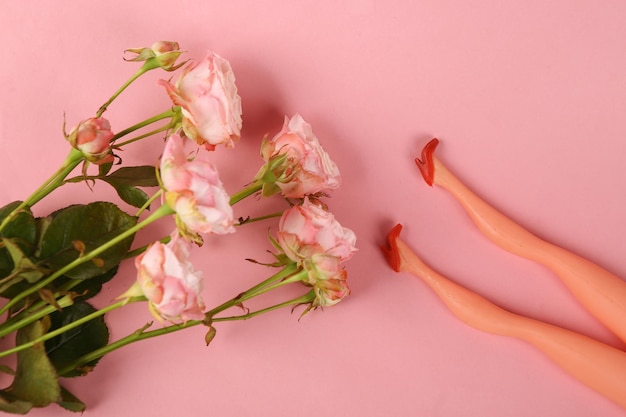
599	291
597	365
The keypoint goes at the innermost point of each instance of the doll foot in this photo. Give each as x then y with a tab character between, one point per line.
426	164
390	250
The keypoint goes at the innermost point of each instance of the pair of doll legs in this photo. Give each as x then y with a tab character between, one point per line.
599	366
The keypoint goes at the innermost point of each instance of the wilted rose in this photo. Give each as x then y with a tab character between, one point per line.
194	191
211	107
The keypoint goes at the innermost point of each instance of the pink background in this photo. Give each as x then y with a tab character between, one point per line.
528	99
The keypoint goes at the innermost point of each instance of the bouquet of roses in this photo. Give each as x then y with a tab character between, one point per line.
50	266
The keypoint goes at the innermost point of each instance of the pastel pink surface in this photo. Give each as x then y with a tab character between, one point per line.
528	100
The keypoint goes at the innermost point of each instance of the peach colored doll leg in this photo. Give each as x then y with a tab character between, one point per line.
599	366
600	292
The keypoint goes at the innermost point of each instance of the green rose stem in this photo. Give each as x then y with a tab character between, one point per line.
40	309
162	211
11	326
246	191
258	219
174	113
148	65
148	202
304	299
288	275
70	326
73	159
267	285
141	334
145	135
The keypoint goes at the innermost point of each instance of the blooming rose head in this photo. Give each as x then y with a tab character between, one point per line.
194	191
162	54
167	279
210	105
93	138
296	162
328	279
308	229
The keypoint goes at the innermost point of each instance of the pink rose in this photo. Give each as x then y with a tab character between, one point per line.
169	282
93	138
328	278
309	229
211	107
306	168
194	191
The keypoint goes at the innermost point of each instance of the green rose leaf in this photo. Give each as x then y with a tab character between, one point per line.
35	380
23	224
87	288
10	404
23	266
21	230
128	193
104	169
72	344
24	270
140	176
70	402
77	230
126	180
